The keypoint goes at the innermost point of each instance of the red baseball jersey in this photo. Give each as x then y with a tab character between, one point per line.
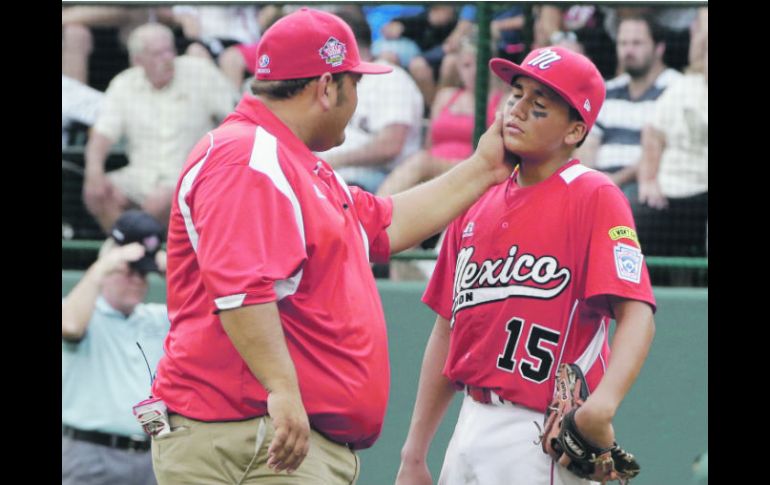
523	276
258	218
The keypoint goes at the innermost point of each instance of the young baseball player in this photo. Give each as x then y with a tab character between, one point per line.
527	279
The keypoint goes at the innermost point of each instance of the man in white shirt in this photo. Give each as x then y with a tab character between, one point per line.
614	144
386	126
161	106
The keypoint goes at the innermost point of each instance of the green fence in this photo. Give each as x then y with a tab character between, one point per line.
664	419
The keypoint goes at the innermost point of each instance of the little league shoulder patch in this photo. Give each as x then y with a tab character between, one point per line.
628	262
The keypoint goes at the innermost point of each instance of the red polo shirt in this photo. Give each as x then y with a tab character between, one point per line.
258	218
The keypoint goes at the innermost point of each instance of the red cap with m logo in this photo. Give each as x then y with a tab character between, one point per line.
573	76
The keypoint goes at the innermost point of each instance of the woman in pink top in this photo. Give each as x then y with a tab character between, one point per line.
450	138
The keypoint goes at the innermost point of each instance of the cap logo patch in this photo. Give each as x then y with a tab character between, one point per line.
333	52
587	105
264	60
544	59
151	243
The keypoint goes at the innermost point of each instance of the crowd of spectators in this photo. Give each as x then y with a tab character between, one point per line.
175	72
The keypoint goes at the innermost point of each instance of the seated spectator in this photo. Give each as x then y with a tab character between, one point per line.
568	40
386	126
505	29
672	209
208	30
450	137
450	140
103	371
240	60
675	22
432	34
162	106
97	35
80	104
613	145
588	22
217	32
379	15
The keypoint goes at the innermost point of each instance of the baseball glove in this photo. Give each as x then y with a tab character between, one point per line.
561	439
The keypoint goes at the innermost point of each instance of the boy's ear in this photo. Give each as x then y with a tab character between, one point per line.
577	132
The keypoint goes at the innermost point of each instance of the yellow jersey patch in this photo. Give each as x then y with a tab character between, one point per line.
623	232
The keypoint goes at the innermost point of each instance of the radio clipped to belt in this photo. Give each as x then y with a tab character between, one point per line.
153	416
152	413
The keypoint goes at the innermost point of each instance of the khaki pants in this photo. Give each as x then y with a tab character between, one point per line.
196	452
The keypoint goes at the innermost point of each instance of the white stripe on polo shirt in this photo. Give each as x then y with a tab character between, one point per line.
264	159
185	188
360	226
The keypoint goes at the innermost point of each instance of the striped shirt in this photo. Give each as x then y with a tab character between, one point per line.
620	122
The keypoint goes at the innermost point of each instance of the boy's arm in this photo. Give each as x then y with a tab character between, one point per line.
630	345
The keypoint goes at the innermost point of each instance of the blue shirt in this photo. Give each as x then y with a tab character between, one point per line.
379	15
104	374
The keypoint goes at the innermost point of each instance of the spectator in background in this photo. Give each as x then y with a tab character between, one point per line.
103	371
240	60
227	35
110	25
387	42
386	126
505	28
450	138
80	105
161	106
208	30
614	144
379	15
588	22
435	33
568	40
505	34
672	208
675	22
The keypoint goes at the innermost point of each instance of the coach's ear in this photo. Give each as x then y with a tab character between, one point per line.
326	91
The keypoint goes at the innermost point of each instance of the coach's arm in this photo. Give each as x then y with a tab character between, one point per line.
256	333
425	209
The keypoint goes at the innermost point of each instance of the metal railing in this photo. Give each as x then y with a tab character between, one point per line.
416	255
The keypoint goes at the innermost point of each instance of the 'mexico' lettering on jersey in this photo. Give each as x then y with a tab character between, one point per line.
494	280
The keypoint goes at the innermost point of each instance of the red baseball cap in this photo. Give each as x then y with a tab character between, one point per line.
570	74
308	43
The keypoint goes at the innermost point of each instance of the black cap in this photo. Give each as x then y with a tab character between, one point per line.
137	226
